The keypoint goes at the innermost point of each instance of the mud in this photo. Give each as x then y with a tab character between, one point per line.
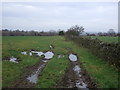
30	76
34	77
76	77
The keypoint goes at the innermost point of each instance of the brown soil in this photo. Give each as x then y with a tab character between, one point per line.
22	82
87	78
70	78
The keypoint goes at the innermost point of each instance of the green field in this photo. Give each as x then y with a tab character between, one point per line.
105	75
106	38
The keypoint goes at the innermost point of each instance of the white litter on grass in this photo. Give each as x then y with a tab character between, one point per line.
48	55
72	57
24	53
60	56
30	54
38	53
12	59
33	51
51	46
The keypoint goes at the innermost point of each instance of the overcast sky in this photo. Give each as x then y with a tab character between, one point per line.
93	16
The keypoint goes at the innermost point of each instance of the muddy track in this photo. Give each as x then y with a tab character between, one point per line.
72	79
31	74
23	82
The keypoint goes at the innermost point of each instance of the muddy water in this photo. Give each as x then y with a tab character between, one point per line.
30	77
79	83
73	76
76	68
34	77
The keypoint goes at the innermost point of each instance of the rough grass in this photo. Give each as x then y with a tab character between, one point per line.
53	72
106	38
105	75
12	46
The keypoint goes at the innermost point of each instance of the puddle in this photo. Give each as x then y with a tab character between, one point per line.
34	77
79	83
72	57
48	55
24	53
12	59
77	69
60	56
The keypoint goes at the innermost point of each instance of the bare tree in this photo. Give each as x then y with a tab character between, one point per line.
75	30
111	32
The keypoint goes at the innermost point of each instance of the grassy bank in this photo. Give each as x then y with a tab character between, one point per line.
104	74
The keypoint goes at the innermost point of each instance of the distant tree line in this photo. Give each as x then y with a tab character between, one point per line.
73	31
110	32
6	32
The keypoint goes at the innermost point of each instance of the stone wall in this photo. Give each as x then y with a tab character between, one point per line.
106	51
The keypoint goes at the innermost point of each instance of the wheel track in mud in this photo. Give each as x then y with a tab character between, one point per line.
69	80
72	79
23	82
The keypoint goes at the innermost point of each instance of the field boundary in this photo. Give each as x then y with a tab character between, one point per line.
106	51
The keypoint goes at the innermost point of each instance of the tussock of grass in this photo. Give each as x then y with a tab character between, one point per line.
53	72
